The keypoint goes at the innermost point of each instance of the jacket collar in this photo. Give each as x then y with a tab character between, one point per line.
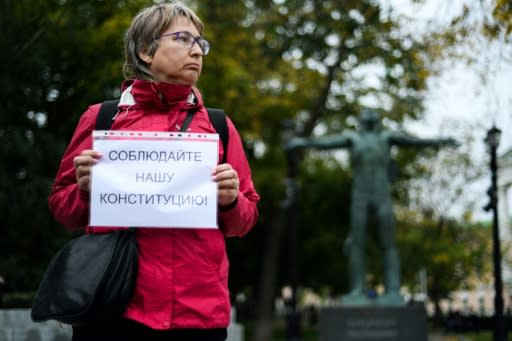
159	96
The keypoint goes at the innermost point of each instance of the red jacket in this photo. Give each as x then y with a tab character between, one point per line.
183	273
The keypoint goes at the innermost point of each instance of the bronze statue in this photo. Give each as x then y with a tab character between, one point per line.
370	160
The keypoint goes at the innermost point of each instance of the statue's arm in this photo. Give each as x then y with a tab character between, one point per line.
404	139
325	142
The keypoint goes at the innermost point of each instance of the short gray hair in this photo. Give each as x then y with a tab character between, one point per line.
146	26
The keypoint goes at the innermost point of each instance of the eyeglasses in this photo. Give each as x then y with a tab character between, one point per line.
187	40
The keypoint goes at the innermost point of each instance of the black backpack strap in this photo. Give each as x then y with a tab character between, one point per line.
220	123
188	119
218	118
106	114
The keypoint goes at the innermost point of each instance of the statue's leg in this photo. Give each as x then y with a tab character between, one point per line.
391	259
357	261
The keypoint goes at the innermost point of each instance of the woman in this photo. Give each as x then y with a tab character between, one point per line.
182	287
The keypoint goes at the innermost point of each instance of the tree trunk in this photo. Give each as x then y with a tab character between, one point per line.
438	313
267	288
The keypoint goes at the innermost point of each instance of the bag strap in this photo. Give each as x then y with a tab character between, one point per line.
220	123
106	114
108	110
188	119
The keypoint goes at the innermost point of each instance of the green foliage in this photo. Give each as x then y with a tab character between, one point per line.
482	336
324	224
61	57
502	13
473	34
434	226
16	300
453	253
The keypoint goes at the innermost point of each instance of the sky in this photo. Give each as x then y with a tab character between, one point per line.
458	92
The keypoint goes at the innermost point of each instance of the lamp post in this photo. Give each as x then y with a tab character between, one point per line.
492	140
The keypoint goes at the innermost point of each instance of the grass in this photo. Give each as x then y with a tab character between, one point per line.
483	336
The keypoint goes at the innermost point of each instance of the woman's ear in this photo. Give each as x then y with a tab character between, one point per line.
145	57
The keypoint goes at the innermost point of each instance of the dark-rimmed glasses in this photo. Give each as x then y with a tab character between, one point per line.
187	40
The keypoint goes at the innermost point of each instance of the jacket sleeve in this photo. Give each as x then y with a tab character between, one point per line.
69	204
239	219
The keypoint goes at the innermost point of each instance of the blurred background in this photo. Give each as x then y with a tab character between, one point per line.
432	68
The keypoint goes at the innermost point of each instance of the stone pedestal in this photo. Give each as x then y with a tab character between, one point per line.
16	325
373	323
235	330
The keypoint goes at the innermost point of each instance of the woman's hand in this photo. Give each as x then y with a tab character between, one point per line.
83	164
227	183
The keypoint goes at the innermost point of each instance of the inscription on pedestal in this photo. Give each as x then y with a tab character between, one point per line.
373	323
382	329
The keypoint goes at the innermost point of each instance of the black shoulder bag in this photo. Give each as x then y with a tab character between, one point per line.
90	281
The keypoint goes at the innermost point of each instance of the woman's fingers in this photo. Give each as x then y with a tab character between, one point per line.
83	164
228	184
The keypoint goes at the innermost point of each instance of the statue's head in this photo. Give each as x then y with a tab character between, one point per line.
369	120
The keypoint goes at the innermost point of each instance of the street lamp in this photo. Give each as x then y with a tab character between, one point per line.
492	140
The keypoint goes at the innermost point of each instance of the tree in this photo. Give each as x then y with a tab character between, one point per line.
436	228
331	51
453	253
63	56
502	13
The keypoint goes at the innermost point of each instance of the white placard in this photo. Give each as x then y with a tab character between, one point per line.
154	179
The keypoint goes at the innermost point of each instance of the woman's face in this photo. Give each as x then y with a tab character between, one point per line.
173	63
